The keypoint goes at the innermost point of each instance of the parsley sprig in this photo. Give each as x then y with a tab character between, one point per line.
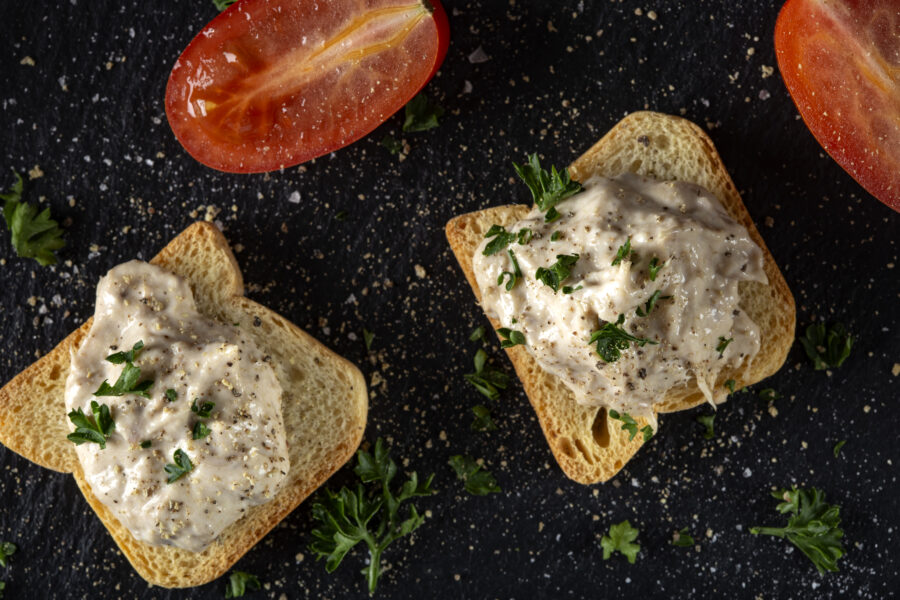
611	339
621	539
827	347
630	425
813	526
547	189
558	271
478	480
34	235
503	238
370	515
486	379
682	538
96	429
514	276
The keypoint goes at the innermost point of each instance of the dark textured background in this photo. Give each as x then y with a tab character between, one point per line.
89	112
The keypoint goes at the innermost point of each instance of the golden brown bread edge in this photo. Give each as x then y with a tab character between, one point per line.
588	446
325	405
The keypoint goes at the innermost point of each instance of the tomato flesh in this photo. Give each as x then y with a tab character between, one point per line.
272	83
840	60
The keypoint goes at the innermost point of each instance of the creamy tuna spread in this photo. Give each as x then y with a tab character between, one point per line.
673	289
210	421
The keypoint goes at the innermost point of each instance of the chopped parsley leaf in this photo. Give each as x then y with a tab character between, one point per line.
827	347
510	337
654	268
146	444
421	114
624	252
203	409
682	538
239	582
120	357
171	395
558	271
611	339
391	144
838	446
707	421
33	235
478	481
483	420
96	429
769	394
630	425
650	304
126	384
200	431
621	539
7	549
182	466
486	379
368	336
547	189
514	275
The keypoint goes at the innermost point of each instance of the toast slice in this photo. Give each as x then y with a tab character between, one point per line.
589	447
325	404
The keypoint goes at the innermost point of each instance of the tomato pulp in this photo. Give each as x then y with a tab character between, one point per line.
840	60
272	83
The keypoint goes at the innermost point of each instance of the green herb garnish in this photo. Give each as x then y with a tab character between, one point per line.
630	425
514	275
146	444
200	430
611	339
223	4
682	538
555	235
368	336
621	539
838	446
477	334
623	252
654	268
502	239
769	394
483	420
707	421
510	337
422	114
547	189
171	395
341	215
7	549
568	289
729	383
182	465
479	482
203	409
486	379
650	304
34	235
558	271
391	144
239	582
723	343
814	526
96	429
827	347
120	357
366	515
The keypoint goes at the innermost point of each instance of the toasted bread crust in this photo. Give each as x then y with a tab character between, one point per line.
589	448
324	404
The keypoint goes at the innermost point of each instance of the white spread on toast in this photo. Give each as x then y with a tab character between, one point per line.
705	254
242	462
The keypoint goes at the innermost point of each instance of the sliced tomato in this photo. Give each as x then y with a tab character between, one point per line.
272	83
840	60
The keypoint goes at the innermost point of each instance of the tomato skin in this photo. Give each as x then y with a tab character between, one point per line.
840	60
269	84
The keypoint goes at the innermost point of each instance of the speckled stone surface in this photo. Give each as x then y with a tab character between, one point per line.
81	108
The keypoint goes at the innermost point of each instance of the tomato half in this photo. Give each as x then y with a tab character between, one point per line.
840	60
272	83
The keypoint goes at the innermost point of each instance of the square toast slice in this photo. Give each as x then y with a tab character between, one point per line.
325	405
588	446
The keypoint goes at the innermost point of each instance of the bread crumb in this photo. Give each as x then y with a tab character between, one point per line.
867	408
420	271
773	411
767	71
896	370
540	526
651	15
27	61
35	173
299	557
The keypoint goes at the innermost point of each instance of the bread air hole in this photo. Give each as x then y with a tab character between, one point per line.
600	429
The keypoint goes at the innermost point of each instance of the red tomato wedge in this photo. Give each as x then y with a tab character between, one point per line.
840	60
272	83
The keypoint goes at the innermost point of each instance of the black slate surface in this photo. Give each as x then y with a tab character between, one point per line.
81	98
